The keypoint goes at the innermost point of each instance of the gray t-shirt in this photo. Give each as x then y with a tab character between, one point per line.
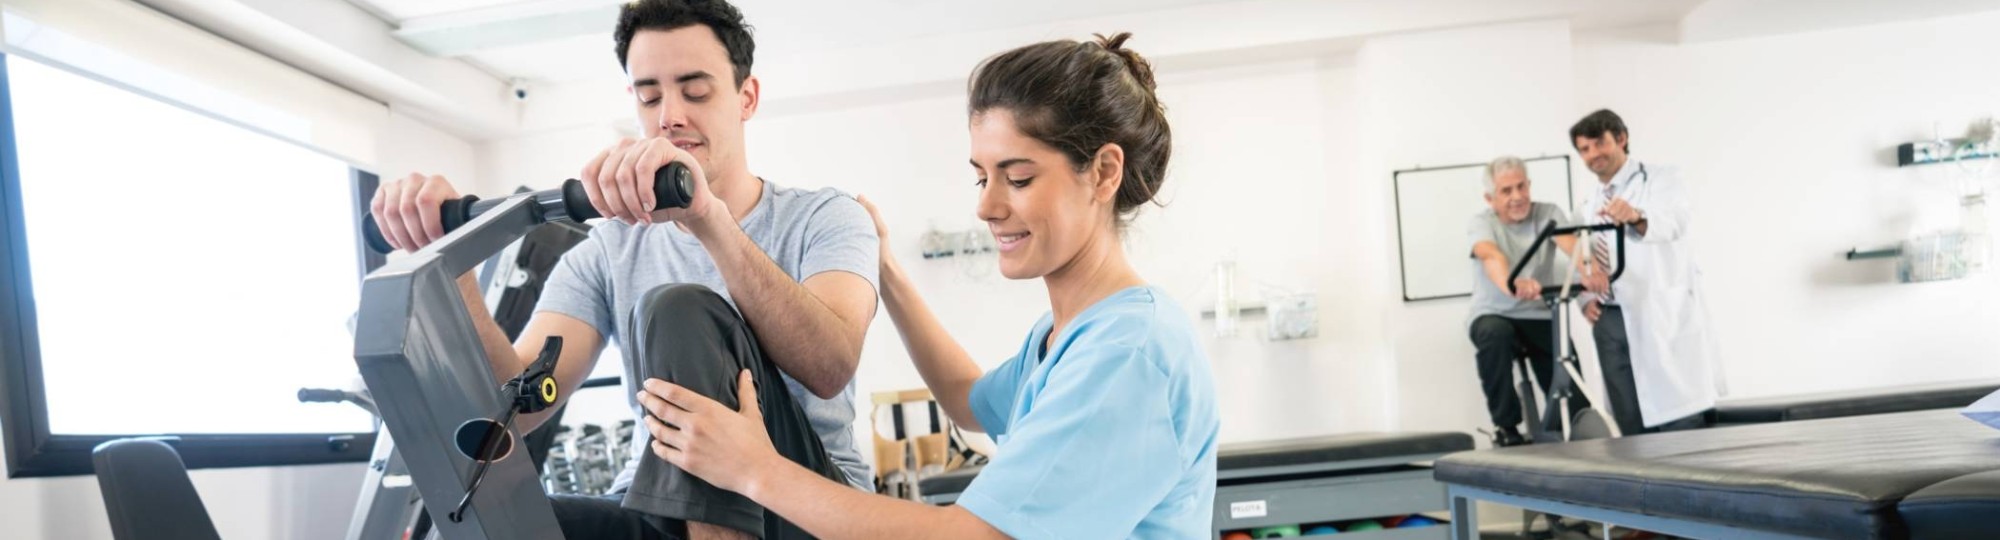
805	232
1513	241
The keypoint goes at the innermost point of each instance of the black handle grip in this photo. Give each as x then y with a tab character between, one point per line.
673	187
1551	231
451	214
373	235
321	395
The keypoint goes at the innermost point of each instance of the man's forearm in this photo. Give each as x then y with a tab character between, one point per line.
499	351
800	333
1496	270
500	354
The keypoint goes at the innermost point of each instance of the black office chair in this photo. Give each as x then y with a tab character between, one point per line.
148	494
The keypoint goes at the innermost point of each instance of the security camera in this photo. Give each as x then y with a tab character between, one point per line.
518	89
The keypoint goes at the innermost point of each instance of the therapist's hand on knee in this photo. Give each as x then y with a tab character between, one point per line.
1592	310
705	438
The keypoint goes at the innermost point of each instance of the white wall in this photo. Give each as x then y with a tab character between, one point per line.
1442	98
1788	144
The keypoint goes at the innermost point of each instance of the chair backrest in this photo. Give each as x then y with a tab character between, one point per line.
147	492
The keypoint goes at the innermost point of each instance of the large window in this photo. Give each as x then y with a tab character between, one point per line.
168	273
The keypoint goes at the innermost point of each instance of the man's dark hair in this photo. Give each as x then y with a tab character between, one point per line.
663	15
1597	124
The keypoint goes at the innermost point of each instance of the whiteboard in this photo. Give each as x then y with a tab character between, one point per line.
1433	206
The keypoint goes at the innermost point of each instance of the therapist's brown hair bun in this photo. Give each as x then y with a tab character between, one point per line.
1078	96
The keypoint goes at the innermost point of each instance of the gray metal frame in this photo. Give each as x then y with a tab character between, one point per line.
1364	492
388	498
1465	517
427	369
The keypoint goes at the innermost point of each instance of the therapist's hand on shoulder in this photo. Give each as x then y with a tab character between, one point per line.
881	230
704	437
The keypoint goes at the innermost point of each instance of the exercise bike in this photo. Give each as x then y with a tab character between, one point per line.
1590	422
1585	422
427	372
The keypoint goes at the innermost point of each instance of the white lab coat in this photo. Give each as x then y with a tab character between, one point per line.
1674	352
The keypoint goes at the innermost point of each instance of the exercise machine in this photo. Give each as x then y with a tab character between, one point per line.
427	372
1586	422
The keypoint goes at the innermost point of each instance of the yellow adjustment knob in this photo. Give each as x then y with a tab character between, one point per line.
549	390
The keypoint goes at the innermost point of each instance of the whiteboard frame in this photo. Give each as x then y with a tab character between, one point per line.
1402	257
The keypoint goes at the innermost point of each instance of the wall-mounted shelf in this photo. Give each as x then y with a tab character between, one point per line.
1928	152
1883	253
1241	311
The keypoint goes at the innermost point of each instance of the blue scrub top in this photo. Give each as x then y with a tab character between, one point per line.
1110	434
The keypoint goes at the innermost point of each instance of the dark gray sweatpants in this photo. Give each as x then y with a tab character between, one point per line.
690	336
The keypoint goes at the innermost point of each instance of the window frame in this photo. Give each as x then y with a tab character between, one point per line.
31	449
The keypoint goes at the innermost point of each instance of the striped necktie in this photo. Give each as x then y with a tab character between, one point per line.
1600	244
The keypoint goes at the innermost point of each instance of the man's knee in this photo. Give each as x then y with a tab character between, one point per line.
685	334
678	299
1492	330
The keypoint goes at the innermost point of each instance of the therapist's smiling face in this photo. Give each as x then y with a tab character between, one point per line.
1604	155
1040	208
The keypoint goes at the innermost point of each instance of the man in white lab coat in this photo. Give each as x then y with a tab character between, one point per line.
1654	343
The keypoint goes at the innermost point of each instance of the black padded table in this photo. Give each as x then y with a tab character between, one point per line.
944	488
1308	480
1964	507
1832	478
1892	399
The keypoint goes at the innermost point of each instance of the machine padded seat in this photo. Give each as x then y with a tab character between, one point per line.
1963	507
1852	403
1337	448
1833	478
949	482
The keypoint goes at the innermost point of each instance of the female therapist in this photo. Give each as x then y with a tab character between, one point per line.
1105	417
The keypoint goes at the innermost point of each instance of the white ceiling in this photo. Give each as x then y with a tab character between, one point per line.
781	26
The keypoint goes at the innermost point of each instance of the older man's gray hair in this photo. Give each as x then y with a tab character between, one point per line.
1501	165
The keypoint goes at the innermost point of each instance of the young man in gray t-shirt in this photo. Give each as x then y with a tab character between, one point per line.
1504	325
751	278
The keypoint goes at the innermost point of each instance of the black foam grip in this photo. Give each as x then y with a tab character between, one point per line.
452	213
576	202
673	186
373	235
321	395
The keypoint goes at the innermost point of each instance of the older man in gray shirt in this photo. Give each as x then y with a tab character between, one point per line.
1504	325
